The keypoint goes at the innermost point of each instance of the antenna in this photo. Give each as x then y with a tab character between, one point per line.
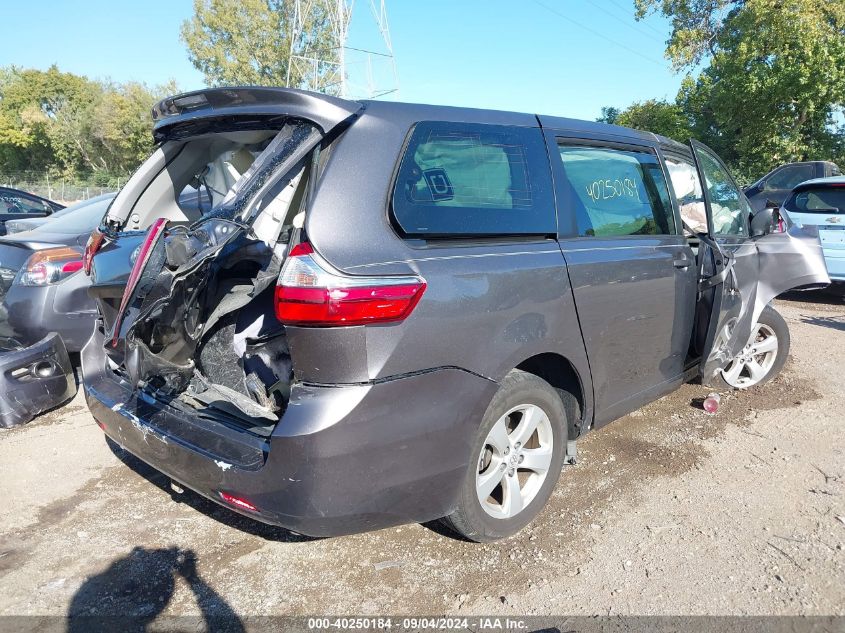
357	66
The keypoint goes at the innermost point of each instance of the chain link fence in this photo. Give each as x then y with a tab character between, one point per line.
62	190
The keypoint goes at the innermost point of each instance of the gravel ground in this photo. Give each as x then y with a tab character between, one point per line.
669	511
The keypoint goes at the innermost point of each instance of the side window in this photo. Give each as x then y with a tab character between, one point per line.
474	179
617	192
20	204
789	177
687	187
729	207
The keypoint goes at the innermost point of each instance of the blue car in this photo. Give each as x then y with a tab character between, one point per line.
821	203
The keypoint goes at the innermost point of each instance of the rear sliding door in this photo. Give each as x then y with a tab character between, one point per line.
633	274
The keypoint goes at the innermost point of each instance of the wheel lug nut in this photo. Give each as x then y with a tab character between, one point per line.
511	471
518	444
521	458
502	467
507	450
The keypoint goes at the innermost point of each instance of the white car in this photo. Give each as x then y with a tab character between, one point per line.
821	203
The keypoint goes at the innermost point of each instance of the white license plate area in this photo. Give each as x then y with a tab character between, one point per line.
832	237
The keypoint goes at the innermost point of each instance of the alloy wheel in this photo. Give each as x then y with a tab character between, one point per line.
755	360
514	461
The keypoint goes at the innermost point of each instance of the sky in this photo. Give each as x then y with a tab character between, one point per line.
556	57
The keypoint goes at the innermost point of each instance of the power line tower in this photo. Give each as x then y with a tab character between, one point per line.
358	65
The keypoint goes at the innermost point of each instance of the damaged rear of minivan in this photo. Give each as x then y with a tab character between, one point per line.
192	361
187	367
187	322
382	313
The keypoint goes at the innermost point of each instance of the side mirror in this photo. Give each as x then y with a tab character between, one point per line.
763	222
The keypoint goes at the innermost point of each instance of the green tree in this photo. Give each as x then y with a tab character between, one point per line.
57	122
773	83
609	114
660	117
30	102
123	124
249	42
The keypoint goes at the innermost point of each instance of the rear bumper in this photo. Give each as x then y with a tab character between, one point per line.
32	312
835	261
33	380
343	459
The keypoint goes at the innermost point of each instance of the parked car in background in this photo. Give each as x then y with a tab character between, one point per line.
29	223
45	312
190	198
777	184
821	203
45	309
16	204
398	312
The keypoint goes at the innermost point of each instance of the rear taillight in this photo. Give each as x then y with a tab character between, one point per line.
312	293
50	266
95	241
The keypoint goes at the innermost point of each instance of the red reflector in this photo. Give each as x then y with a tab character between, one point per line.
237	502
72	267
101	425
303	248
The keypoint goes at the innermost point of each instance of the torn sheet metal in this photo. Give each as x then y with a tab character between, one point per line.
782	261
183	328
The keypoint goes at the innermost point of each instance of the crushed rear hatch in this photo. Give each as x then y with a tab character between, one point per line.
186	304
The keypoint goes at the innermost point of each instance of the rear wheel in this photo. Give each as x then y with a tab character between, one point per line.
763	356
516	460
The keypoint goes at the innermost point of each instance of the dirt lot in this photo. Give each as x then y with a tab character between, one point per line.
669	511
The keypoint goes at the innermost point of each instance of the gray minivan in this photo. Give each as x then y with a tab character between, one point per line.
396	313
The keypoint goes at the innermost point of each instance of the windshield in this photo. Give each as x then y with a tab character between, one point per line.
84	218
818	200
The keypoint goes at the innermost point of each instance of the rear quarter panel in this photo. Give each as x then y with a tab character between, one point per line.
488	305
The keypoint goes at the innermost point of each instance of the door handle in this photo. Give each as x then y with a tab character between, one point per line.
681	263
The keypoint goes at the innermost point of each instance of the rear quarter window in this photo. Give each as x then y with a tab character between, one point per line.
463	179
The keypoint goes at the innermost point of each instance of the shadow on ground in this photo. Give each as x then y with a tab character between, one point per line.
136	589
834	322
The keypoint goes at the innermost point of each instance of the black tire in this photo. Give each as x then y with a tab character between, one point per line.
771	318
469	519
